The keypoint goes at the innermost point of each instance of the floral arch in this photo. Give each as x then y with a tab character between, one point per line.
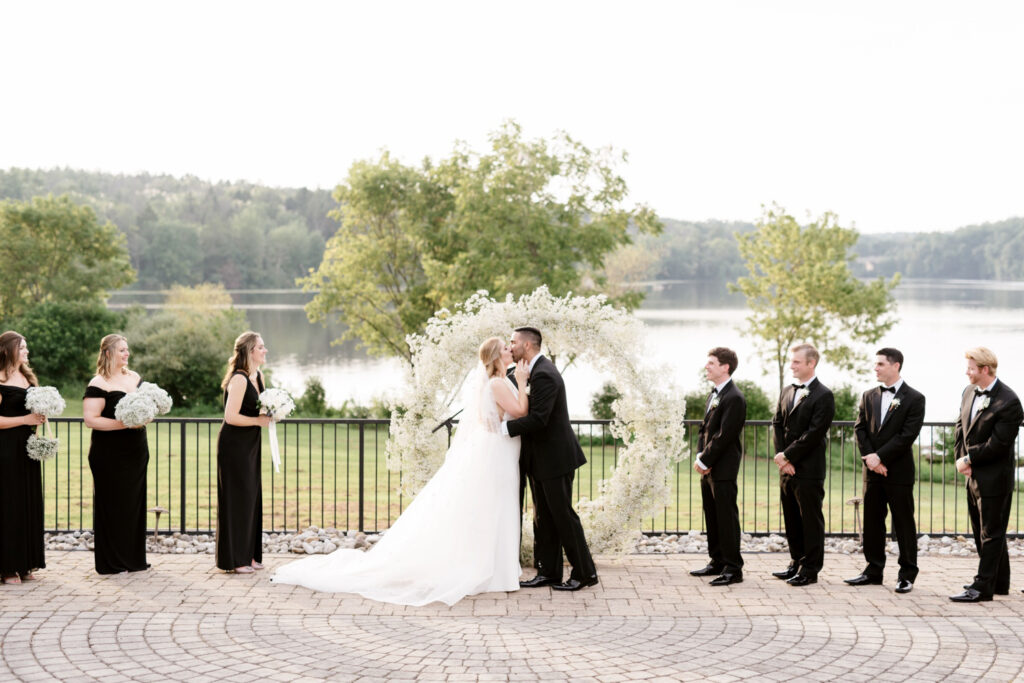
649	413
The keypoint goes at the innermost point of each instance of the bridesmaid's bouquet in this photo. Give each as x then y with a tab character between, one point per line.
141	406
278	405
45	401
161	398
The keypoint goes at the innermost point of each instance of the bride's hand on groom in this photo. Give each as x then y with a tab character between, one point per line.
522	373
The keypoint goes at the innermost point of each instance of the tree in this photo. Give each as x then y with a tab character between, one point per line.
800	288
185	347
416	240
55	250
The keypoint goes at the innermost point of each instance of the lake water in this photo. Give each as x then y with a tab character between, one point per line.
939	319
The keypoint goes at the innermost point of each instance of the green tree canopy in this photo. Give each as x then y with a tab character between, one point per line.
55	250
800	288
414	240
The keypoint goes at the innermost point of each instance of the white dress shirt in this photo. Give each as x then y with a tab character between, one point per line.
807	386
976	406
887	397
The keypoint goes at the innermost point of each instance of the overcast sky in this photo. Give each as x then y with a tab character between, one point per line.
896	115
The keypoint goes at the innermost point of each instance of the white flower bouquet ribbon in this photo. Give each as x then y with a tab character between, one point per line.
48	402
278	405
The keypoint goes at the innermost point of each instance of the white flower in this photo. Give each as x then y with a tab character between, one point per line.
277	404
135	409
527	389
649	415
41	448
714	403
984	403
801	395
44	401
894	404
161	398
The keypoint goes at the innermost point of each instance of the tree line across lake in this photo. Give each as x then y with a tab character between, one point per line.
185	231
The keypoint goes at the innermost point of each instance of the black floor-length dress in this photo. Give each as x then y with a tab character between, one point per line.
118	460
21	493
240	486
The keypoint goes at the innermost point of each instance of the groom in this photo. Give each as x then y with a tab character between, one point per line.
549	457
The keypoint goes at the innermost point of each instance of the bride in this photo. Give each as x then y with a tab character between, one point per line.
460	535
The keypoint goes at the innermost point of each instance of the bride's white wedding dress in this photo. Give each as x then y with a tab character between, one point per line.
458	537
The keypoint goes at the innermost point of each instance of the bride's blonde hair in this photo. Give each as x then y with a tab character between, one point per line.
490	356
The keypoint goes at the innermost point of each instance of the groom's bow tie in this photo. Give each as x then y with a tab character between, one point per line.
980	392
799	386
891	390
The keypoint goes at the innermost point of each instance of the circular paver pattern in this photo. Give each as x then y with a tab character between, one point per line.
197	647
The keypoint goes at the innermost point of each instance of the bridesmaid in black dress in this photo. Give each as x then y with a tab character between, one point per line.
118	458
21	486
239	475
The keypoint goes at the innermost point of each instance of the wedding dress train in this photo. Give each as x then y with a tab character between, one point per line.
458	537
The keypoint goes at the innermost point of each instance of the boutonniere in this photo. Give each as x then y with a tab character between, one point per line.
714	403
894	405
801	395
527	389
984	403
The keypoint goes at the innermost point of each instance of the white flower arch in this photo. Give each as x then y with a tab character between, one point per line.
649	413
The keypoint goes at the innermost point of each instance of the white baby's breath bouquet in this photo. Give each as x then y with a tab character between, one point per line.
135	409
161	398
48	402
278	405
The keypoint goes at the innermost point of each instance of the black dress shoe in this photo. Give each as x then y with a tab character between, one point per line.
786	574
802	580
538	581
904	586
970	595
863	580
727	579
995	592
575	584
710	570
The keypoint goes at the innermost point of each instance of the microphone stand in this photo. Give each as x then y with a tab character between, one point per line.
448	423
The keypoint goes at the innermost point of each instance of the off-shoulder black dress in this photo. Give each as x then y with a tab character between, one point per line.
21	492
240	486
118	459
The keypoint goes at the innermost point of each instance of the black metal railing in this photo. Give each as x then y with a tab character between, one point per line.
334	474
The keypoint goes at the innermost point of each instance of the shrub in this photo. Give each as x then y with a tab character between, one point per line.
64	338
185	348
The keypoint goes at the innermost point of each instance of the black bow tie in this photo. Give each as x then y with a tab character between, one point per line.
979	392
799	386
891	390
714	391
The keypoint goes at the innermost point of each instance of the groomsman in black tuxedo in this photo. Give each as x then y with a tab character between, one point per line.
990	417
800	425
720	448
548	457
888	423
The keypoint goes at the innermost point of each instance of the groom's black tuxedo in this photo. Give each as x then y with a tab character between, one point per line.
720	445
801	433
988	439
549	455
892	439
550	448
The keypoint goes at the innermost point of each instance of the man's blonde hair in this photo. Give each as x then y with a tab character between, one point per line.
810	353
983	357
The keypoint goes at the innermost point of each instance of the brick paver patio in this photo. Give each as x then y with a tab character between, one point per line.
647	620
